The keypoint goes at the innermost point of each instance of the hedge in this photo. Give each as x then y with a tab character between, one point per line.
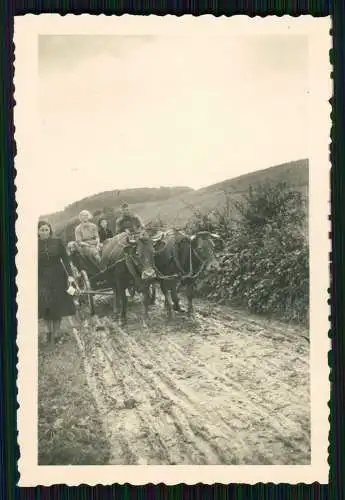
265	259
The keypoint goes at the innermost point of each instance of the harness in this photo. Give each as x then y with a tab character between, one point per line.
129	260
181	275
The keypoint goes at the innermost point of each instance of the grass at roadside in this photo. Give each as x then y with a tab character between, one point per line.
69	427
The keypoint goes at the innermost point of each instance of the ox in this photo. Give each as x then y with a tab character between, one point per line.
127	263
182	258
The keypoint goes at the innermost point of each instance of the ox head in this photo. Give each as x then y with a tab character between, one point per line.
146	254
203	243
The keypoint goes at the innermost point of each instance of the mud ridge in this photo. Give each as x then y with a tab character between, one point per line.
225	388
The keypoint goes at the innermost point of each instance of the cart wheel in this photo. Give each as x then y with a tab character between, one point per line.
87	288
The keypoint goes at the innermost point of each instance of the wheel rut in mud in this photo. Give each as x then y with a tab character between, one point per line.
225	389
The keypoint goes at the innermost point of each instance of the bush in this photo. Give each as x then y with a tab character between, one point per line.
200	222
265	262
220	219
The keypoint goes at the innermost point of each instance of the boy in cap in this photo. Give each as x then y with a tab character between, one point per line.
128	222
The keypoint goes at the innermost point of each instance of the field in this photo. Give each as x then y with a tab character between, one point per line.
226	388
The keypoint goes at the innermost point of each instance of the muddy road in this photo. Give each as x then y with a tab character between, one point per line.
227	388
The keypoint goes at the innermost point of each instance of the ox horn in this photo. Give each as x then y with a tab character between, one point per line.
208	233
204	233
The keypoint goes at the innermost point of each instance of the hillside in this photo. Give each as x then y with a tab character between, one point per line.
294	173
110	200
174	206
132	196
179	209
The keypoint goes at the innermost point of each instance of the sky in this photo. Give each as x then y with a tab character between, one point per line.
120	112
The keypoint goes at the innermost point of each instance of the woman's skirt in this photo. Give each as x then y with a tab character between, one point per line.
53	300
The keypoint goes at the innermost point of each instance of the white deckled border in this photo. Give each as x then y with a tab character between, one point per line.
27	29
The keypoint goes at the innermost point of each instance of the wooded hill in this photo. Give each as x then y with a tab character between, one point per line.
174	206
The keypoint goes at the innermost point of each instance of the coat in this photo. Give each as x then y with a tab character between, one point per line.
53	299
104	234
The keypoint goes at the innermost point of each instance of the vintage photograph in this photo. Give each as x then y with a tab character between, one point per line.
208	238
172	224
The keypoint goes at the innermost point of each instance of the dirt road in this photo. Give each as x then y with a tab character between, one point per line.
227	388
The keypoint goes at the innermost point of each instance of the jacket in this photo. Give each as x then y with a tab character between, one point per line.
131	222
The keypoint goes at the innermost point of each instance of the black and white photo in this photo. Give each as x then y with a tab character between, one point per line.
172	263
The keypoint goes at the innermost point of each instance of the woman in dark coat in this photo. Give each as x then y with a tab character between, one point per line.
54	278
103	230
